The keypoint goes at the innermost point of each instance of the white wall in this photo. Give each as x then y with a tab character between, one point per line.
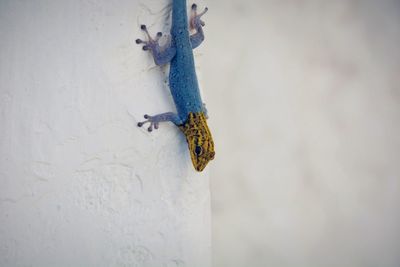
305	107
80	183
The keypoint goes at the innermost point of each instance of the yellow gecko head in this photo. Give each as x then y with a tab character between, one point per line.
199	139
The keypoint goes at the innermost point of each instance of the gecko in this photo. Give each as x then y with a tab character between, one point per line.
191	112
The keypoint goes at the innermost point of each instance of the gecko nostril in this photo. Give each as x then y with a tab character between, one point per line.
212	155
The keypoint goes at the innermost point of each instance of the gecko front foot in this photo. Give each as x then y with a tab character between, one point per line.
195	22
156	119
149	119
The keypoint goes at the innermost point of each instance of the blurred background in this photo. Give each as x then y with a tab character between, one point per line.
304	103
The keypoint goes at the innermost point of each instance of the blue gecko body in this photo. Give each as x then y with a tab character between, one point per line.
191	114
182	76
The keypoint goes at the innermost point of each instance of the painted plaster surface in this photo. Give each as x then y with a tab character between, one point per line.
80	183
306	119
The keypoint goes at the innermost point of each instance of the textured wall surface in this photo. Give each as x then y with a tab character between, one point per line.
80	184
304	98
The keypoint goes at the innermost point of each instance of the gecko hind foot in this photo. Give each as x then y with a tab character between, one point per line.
161	55
151	44
195	21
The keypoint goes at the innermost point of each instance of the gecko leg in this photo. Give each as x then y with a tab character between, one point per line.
197	24
205	111
161	55
156	119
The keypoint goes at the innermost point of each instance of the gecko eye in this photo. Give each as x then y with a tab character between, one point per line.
198	150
